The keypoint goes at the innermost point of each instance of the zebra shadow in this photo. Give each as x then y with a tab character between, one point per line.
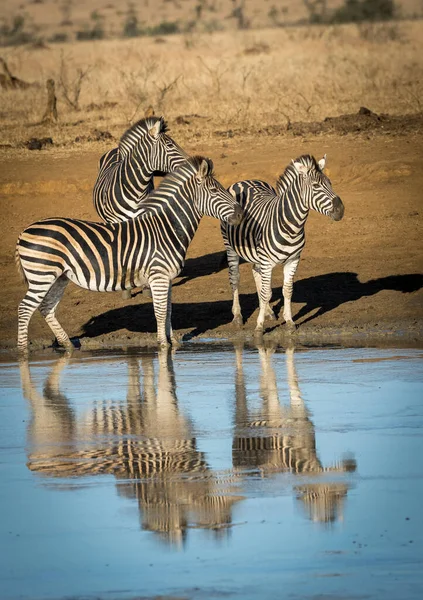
327	292
274	437
143	439
140	318
322	292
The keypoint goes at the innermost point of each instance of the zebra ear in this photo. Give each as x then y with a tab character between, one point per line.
322	163
203	170
155	129
300	168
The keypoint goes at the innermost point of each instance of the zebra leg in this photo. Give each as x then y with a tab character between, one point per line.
169	331
160	292
30	302
48	308
270	315
126	294
233	264
289	269
265	295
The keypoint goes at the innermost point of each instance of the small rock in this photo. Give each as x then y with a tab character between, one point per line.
38	143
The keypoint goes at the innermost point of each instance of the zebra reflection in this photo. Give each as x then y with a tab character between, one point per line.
144	440
281	438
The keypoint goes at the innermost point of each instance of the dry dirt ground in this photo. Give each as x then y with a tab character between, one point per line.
359	280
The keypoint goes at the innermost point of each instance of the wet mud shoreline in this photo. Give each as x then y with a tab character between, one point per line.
410	335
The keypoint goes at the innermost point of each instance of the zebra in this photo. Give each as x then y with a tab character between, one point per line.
279	438
272	230
116	256
144	440
125	177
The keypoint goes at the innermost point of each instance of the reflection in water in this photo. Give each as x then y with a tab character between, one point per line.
144	441
279	438
148	444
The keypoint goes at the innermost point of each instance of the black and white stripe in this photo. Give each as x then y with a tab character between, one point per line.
125	177
145	441
272	229
149	249
277	437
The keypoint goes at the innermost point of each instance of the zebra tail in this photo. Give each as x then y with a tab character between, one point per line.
18	263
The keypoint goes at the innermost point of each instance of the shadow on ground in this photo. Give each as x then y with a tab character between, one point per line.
323	292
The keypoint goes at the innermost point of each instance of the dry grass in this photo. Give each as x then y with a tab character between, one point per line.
231	80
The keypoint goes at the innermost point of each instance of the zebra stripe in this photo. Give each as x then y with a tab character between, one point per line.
272	230
107	257
125	177
146	442
283	438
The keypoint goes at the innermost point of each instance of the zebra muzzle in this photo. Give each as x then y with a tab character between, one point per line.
337	209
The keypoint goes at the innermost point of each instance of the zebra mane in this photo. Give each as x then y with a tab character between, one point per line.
155	201
290	174
190	166
137	131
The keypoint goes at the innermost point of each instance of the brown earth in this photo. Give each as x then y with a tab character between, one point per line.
359	280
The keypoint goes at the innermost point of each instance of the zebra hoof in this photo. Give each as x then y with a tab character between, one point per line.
147	292
291	327
67	345
237	321
126	294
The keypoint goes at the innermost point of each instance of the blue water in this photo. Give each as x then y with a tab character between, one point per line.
214	472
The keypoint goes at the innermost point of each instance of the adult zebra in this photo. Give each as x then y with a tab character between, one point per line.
116	256
125	177
272	229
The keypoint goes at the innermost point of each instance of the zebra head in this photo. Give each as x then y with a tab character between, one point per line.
211	198
316	188
166	154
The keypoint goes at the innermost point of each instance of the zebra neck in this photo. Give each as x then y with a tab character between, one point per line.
178	216
293	213
136	176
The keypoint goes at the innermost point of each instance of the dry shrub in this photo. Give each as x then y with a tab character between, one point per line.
305	74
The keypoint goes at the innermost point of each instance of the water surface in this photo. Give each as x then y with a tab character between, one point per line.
215	472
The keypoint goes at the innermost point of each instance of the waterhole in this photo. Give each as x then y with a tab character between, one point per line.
247	472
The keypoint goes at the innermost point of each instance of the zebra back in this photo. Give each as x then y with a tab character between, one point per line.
272	229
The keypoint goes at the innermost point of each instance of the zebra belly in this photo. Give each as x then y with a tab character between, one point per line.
115	284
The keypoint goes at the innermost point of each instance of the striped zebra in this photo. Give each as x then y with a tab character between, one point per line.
116	256
272	230
144	440
281	438
125	177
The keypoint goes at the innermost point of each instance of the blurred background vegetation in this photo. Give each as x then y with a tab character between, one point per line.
58	21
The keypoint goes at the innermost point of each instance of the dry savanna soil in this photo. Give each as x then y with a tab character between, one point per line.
359	280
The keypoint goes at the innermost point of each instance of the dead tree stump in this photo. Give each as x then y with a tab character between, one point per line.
50	114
